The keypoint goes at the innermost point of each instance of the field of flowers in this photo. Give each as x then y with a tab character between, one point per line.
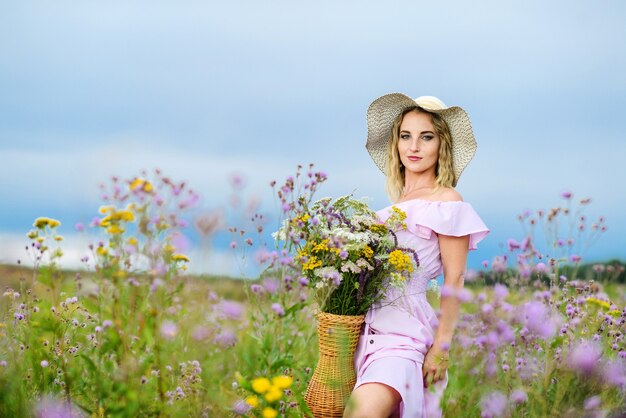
540	334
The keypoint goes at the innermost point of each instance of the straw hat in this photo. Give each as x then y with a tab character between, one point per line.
384	110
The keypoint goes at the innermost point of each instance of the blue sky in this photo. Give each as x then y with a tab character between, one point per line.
202	89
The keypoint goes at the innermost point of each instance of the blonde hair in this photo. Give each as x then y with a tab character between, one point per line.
444	171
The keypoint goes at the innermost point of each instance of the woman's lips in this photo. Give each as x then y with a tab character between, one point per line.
414	158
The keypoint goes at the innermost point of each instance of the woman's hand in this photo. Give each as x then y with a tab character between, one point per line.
435	365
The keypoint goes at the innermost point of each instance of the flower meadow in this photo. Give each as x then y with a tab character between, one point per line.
541	332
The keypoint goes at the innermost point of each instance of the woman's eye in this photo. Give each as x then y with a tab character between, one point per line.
427	137
405	136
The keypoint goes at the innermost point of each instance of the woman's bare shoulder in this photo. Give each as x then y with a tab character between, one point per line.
448	194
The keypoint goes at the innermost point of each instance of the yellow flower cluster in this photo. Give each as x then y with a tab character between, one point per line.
302	218
397	218
270	390
312	251
399	213
312	263
322	246
599	302
139	183
615	313
180	257
378	228
114	217
400	261
42	222
367	252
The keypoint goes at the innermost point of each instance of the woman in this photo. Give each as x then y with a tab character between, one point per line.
402	356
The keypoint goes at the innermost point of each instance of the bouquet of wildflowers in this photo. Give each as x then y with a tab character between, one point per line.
346	254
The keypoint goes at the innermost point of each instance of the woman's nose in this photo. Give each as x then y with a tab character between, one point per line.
415	144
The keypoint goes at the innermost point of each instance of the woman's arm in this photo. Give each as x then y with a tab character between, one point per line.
453	258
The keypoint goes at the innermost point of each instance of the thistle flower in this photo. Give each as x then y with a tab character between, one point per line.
584	357
493	405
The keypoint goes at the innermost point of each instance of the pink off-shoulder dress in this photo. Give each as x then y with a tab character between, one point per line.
399	331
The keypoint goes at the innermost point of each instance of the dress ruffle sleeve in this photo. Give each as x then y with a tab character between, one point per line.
455	218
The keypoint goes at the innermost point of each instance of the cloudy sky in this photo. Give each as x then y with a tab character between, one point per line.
204	89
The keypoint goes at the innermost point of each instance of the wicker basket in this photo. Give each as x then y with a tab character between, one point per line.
333	378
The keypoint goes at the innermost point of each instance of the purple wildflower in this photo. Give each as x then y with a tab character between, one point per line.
574	258
614	373
241	408
231	309
584	357
200	333
49	407
493	405
512	244
518	396
278	309
226	338
169	330
270	285
500	291
592	402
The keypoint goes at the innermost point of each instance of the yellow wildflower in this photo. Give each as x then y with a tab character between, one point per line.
102	251
125	215
273	394
32	234
400	261
615	313
132	241
180	257
106	209
313	263
58	238
253	401
302	253
322	246
42	222
269	412
169	248
378	228
399	213
261	385
282	382
137	182
114	230
599	302
367	251
39	239
120	274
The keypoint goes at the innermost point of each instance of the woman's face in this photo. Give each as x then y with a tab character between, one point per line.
418	143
